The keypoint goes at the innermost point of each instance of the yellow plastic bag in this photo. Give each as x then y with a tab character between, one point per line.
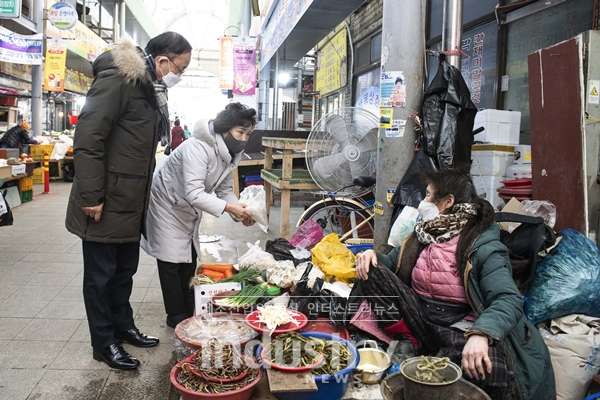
334	259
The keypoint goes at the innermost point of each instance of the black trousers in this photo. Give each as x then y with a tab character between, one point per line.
174	282
108	270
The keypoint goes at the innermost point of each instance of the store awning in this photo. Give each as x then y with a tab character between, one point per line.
319	19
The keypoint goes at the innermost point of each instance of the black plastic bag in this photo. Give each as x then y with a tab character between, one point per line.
68	172
280	249
6	219
301	294
411	189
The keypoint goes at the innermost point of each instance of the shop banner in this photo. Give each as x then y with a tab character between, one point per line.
332	65
226	64
62	15
56	63
10	8
244	66
20	49
77	82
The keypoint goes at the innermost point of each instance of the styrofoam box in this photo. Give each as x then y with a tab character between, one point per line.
500	126
203	294
18	169
491	163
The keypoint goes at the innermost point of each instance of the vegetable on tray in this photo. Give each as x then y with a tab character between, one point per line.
248	295
209	276
311	349
274	316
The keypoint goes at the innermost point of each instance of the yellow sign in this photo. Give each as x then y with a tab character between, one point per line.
77	82
54	68
385	119
332	65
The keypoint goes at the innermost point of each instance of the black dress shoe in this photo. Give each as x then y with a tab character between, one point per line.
174	320
116	357
136	338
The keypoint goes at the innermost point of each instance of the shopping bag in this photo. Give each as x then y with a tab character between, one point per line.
308	235
6	216
403	226
574	343
255	199
334	259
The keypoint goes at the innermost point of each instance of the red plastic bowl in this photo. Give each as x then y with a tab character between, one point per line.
254	323
517	182
197	345
324	326
241	394
267	361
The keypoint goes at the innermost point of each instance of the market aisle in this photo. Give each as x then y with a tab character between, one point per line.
44	340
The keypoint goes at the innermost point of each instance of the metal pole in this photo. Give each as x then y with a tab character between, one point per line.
263	96
116	22
276	93
123	16
245	18
36	74
83	14
452	29
402	40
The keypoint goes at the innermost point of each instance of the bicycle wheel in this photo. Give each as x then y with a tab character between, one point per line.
340	216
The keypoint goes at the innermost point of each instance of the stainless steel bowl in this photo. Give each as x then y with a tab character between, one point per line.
373	363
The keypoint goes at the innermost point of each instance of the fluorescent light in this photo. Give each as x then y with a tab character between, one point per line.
284	78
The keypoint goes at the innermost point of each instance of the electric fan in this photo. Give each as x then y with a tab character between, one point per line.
341	147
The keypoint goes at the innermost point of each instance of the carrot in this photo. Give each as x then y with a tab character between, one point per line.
228	273
213	274
218	267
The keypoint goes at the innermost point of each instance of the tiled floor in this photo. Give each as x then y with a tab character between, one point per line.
44	340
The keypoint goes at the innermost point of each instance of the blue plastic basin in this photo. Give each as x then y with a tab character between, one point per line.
330	387
357	248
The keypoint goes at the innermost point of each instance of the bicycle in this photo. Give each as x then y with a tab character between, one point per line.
346	214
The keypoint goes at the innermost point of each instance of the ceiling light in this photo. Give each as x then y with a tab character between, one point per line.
284	78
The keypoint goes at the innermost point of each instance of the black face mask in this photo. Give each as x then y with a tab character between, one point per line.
233	145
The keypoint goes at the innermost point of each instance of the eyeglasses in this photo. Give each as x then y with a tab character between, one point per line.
181	71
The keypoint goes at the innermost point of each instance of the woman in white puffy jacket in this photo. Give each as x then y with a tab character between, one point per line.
182	190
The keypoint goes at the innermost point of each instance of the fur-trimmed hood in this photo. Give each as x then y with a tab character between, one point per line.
128	61
203	131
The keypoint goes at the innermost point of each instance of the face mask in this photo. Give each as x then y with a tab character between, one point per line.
233	145
171	79
428	210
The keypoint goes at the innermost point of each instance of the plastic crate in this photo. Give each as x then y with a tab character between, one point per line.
26	196
38	151
26	184
357	248
38	176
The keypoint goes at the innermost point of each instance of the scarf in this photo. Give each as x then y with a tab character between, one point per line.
445	227
160	92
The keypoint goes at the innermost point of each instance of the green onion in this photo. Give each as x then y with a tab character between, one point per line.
248	295
246	274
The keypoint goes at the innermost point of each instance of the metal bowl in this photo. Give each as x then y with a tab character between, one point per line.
373	363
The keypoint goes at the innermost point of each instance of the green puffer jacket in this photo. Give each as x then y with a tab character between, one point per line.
115	146
484	264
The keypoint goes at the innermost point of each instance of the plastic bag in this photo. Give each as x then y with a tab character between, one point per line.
255	199
257	258
313	274
308	235
281	274
540	208
6	215
334	259
567	281
404	226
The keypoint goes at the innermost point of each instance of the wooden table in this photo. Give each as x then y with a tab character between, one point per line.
250	162
285	179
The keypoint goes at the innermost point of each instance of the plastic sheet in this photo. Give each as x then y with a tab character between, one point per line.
566	281
199	330
334	259
308	235
254	197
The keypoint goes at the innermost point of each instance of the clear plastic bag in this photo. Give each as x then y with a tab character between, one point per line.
540	208
403	226
255	199
308	235
256	258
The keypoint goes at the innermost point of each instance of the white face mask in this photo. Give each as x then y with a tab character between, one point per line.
428	210
171	79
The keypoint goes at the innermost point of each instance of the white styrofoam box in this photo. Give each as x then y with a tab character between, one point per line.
18	169
203	293
500	126
491	163
492	182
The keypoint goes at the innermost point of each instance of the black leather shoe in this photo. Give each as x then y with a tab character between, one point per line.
136	338
116	357
174	320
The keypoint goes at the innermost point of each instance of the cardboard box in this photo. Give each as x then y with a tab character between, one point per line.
500	126
203	294
6	172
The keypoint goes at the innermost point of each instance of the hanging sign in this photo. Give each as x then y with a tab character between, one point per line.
244	66
332	67
226	64
20	49
54	68
10	8
62	15
393	89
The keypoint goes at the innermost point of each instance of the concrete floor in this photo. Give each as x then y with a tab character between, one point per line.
45	348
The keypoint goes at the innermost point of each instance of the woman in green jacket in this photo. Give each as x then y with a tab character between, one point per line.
454	269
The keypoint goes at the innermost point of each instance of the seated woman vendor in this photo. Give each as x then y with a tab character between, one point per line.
454	269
